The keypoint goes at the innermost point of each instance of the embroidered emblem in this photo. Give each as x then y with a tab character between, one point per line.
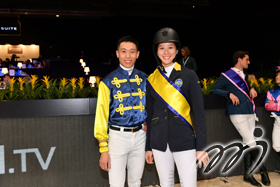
120	96
117	82
139	93
179	82
141	107
121	109
137	80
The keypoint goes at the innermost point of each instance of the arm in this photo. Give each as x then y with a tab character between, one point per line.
101	125
253	93
149	109
198	110
270	104
197	106
218	89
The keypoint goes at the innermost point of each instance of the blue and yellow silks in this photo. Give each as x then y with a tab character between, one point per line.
171	95
121	101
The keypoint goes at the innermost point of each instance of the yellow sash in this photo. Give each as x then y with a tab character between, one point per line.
171	95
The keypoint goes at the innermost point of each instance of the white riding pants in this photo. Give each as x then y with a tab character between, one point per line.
185	163
126	150
245	125
276	133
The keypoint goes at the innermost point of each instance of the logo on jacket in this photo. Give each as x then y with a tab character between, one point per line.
179	82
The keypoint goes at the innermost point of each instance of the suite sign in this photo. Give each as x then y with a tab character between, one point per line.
10	29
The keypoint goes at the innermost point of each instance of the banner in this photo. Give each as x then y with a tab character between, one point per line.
10	29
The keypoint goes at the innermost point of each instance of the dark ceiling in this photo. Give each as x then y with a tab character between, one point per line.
213	29
142	8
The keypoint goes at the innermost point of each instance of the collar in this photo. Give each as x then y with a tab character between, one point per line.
125	72
240	72
177	66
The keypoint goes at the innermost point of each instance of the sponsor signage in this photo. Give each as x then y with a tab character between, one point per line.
14	49
10	29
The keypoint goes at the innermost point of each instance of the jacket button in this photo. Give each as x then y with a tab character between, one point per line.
165	118
165	110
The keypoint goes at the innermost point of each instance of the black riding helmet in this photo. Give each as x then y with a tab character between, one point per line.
165	35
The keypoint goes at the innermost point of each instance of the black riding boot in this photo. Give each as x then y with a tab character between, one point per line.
264	174
248	177
265	179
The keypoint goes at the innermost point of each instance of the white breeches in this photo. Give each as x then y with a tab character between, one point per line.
245	125
126	150
276	133
185	163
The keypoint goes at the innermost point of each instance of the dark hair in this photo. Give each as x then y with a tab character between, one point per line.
237	55
187	50
128	39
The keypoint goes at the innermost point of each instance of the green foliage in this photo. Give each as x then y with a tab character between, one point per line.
207	85
32	88
262	85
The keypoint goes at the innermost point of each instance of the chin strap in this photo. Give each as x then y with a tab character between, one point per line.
162	68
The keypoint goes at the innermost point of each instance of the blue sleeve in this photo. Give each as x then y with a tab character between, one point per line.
218	88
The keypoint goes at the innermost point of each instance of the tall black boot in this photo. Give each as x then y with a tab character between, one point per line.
248	166
254	156
264	174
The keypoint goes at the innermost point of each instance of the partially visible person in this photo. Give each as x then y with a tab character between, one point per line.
233	85
121	110
46	63
173	92
38	65
29	64
6	63
13	62
187	61
272	103
6	79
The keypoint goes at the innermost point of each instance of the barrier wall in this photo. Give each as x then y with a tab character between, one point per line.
50	143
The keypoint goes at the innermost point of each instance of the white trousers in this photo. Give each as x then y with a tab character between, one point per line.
276	133
185	163
126	150
245	125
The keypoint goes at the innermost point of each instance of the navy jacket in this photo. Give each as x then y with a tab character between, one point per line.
164	127
223	87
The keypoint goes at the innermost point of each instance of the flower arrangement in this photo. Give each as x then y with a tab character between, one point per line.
207	85
34	88
262	85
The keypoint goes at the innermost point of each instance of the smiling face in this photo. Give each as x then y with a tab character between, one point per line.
127	54
167	52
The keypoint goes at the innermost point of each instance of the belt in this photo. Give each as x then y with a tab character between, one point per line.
135	129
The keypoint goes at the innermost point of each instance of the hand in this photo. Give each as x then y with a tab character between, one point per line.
202	157
145	127
253	93
270	102
149	157
234	99
105	161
